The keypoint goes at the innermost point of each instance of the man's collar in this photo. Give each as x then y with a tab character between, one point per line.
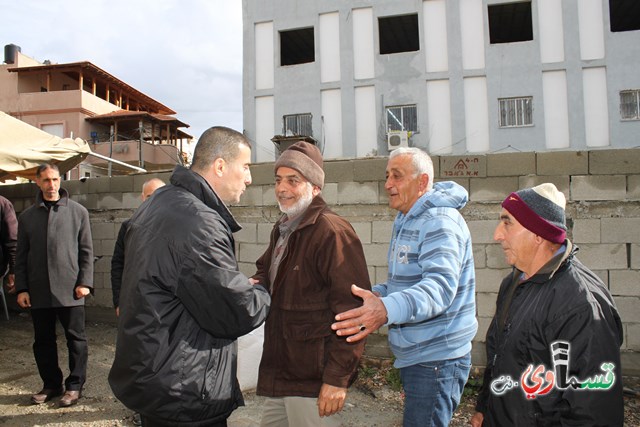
548	270
62	201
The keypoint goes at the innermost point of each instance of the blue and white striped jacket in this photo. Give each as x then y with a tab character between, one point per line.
430	290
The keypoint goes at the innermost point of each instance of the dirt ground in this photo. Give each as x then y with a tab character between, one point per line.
370	402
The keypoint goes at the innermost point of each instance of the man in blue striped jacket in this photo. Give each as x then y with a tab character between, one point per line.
428	301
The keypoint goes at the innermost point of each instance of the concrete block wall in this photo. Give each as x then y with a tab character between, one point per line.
603	193
602	189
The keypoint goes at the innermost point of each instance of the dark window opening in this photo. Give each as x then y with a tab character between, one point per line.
510	23
399	34
297	46
624	15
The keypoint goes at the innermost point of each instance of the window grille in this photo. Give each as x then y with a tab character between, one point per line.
402	117
297	124
630	104
516	112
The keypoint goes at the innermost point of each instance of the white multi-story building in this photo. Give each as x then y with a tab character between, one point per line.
450	76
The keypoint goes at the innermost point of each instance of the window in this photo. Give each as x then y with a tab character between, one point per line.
624	15
510	22
297	124
630	104
516	112
297	46
56	129
402	117
398	34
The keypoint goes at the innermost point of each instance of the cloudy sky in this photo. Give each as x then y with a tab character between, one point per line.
186	54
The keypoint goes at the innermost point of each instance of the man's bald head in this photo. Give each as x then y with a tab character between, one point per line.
150	186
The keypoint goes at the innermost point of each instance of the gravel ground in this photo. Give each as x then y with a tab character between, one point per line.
370	402
19	379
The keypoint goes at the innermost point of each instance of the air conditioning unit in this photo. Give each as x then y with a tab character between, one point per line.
397	138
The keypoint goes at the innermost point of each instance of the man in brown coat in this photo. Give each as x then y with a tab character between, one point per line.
313	258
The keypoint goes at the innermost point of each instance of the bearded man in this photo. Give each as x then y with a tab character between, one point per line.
313	258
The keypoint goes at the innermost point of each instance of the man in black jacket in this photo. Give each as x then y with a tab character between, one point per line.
117	260
553	347
183	301
54	272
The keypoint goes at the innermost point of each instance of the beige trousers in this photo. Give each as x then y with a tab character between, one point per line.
295	411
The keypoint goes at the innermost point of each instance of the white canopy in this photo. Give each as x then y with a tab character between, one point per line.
24	147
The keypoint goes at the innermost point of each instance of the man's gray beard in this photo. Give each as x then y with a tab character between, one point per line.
300	206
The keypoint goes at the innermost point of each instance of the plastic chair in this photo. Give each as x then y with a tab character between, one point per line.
4	298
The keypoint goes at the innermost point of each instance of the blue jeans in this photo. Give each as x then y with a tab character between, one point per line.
433	391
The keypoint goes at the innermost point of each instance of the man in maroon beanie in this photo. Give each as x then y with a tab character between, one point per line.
553	347
313	258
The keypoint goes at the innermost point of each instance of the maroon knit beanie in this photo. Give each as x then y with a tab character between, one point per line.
306	159
540	210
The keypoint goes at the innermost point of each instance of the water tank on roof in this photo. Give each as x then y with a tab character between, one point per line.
10	53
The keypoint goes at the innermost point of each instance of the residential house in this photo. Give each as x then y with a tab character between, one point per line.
80	99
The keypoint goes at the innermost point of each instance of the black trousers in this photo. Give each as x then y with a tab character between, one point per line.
45	347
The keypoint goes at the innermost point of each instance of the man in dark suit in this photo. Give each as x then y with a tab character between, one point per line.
54	273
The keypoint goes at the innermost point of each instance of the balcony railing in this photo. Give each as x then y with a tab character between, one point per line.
154	156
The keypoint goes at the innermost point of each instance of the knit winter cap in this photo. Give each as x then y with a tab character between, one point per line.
306	159
540	210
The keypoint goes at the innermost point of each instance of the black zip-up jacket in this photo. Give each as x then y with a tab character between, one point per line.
117	264
182	304
563	301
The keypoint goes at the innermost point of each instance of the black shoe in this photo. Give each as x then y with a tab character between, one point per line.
70	398
45	395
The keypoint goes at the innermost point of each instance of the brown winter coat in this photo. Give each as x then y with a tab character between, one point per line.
323	258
